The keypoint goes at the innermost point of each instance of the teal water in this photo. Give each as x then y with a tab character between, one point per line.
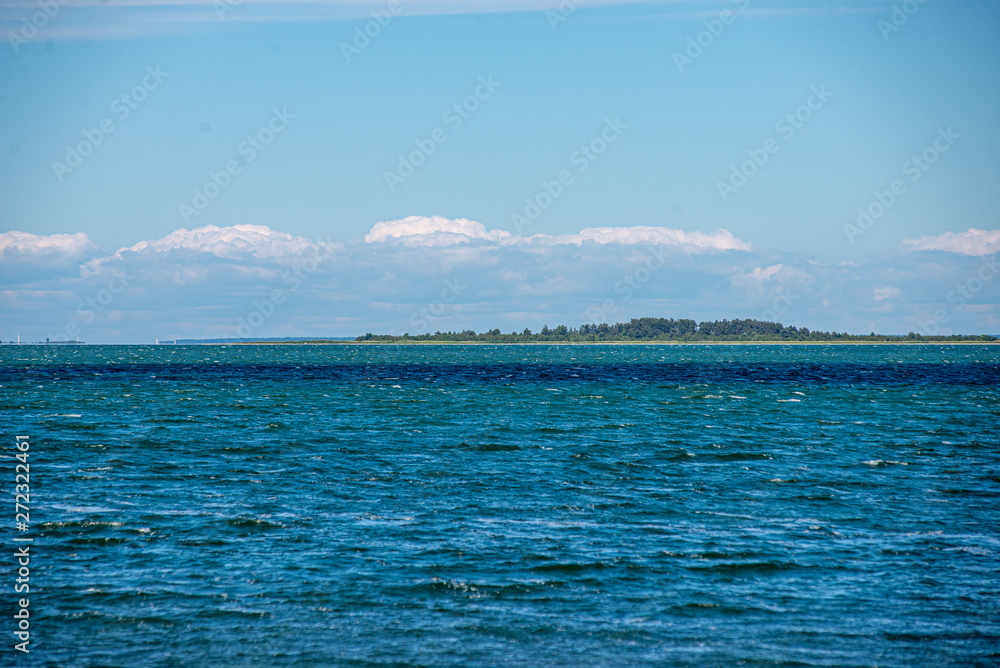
507	505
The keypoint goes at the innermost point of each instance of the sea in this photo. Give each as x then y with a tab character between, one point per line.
518	505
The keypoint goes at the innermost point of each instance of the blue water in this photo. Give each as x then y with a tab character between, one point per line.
507	505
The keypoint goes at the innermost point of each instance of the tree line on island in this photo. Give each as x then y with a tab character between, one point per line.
665	329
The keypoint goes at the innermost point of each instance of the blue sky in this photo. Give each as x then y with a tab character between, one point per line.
734	167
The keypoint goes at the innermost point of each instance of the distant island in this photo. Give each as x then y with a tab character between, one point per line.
669	330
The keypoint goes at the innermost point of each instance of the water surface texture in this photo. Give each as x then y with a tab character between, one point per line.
508	505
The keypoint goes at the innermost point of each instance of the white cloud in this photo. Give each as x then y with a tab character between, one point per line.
235	242
363	8
765	274
763	280
101	19
440	231
653	236
27	244
884	293
432	231
971	242
337	8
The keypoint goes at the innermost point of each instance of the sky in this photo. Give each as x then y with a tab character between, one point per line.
250	168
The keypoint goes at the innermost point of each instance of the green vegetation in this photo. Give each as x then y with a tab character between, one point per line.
668	329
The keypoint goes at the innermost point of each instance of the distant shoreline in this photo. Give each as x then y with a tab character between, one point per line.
320	342
602	343
638	331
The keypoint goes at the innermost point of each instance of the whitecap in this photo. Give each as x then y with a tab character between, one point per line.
83	509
